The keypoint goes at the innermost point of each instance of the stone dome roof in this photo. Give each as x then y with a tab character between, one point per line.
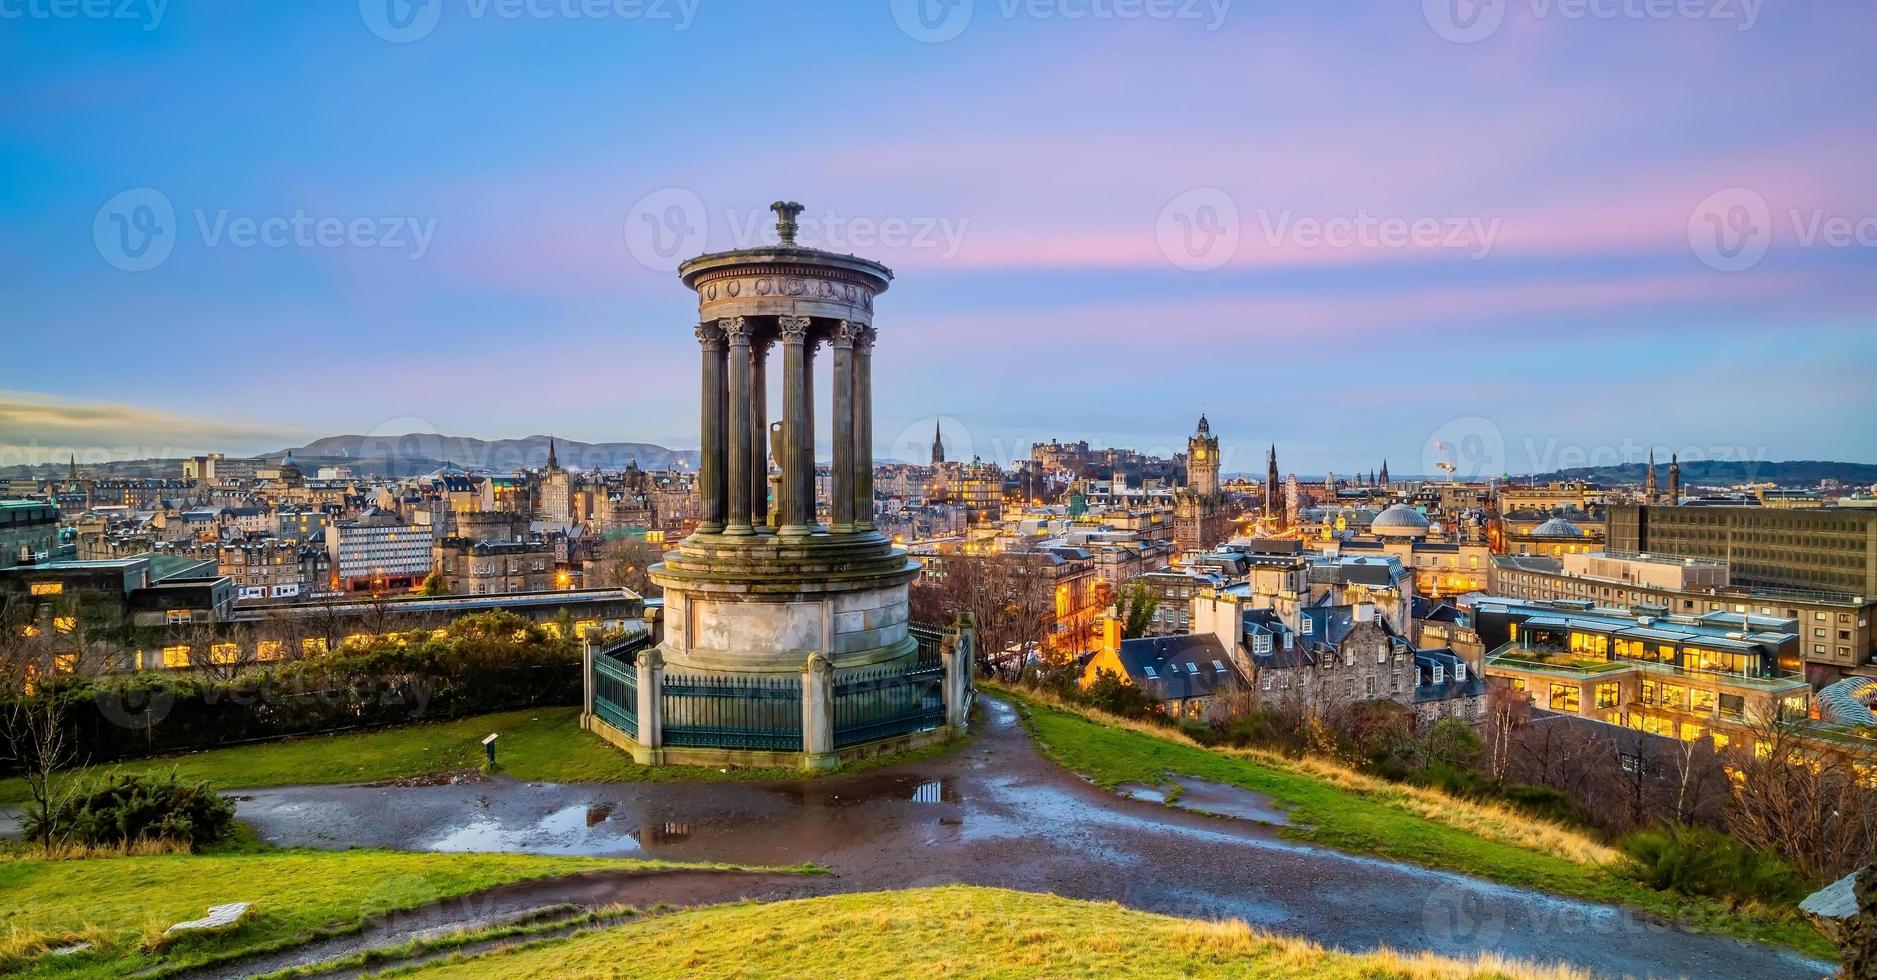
1557	527
1401	520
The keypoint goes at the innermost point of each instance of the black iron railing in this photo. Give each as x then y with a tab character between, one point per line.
870	705
616	682
726	712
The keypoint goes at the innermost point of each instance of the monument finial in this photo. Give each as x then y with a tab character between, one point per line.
785	220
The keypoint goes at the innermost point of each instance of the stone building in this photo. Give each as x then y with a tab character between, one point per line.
1199	511
494	567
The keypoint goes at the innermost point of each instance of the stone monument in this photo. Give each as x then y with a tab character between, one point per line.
769	609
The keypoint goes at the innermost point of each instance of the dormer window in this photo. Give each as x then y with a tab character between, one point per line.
1440	674
1459	671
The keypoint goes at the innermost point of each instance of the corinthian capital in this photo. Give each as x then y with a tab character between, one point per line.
710	336
844	335
736	330
863	340
794	329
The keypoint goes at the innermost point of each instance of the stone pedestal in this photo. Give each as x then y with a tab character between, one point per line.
818	714
651	715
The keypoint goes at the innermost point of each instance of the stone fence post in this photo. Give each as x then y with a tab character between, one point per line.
586	680
651	713
818	714
959	652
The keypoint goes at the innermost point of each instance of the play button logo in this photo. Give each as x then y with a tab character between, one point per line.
1464	21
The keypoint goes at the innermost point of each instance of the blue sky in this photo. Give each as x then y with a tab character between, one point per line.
1353	230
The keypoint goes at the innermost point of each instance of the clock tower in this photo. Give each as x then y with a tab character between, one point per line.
1199	518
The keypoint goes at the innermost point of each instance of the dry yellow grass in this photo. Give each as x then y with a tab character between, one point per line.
1486	820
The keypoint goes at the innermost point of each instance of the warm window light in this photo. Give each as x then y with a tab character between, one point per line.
267	650
65	624
48	588
176	656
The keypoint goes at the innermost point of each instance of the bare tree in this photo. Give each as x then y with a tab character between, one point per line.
35	740
1805	803
1507	710
1012	597
623	564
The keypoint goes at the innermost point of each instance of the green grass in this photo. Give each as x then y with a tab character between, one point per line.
1382	824
950	931
540	744
122	904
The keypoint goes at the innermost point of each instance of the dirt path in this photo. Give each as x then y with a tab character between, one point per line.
997	813
511	903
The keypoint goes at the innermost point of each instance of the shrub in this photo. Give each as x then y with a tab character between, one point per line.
1114	694
1454	743
486	662
130	810
1700	861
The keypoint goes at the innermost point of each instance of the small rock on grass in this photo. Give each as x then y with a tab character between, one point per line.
219	917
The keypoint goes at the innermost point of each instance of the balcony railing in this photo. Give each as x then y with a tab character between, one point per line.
1518	656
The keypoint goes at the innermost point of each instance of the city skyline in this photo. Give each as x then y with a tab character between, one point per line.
1144	226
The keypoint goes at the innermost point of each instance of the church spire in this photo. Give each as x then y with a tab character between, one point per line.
553	462
938	444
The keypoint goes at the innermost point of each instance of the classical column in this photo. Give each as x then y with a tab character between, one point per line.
863	429
806	447
710	463
841	486
796	421
736	331
759	431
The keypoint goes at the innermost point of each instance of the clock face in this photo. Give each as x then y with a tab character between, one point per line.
1199	454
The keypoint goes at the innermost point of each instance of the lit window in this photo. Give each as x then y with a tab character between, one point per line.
224	653
48	588
65	624
314	645
267	650
176	656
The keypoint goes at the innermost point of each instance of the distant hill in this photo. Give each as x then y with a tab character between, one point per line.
1712	472
422	451
407	455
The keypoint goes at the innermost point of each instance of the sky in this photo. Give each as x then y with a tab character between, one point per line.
1511	234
